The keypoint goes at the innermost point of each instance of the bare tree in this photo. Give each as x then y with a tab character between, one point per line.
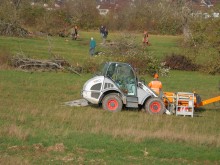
16	3
83	13
184	10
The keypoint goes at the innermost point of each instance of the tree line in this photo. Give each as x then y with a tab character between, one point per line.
159	17
19	17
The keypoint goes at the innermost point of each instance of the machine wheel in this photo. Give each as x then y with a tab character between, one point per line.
155	106
112	103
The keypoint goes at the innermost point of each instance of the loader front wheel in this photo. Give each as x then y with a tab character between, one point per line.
155	106
112	103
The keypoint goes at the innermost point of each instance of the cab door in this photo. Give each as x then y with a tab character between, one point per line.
124	77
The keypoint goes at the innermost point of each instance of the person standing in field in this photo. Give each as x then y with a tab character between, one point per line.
156	85
75	33
101	30
105	35
92	46
146	38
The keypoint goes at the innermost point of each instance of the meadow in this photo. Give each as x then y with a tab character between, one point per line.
37	128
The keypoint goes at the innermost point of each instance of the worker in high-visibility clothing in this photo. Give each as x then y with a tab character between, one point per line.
156	85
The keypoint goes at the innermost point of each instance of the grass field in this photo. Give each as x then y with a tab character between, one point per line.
36	127
45	47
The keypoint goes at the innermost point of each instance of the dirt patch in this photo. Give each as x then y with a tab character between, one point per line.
57	148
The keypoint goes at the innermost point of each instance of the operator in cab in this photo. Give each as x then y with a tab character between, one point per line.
156	85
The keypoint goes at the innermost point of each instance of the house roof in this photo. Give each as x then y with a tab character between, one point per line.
106	6
112	4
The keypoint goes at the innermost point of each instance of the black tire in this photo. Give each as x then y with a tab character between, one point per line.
112	103
155	106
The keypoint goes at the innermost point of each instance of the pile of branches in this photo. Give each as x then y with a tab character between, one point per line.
25	63
12	29
124	45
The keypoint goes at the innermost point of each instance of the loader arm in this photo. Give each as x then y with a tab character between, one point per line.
209	101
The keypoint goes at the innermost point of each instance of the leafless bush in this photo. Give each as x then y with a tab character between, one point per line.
124	45
9	29
126	49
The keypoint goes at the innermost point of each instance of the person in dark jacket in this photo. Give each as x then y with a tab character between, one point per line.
101	30
105	35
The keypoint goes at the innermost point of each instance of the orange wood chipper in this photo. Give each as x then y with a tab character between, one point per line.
183	103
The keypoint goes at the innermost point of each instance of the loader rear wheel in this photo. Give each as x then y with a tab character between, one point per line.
155	106
112	103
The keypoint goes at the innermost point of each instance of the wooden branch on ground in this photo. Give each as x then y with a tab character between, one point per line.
30	64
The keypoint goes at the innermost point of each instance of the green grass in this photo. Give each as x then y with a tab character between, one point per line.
78	51
160	46
33	121
83	149
163	45
36	127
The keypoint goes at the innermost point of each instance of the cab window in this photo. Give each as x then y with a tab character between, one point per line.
124	77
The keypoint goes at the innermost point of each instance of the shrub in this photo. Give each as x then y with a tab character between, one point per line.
30	16
125	49
145	64
180	62
129	51
212	65
93	64
204	44
12	29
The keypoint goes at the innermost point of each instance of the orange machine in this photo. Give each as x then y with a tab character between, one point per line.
186	100
209	101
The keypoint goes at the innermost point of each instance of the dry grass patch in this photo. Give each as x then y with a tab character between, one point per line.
63	116
138	126
13	160
22	119
56	148
15	131
39	147
78	157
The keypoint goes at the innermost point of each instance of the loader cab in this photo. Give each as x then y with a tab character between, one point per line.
123	75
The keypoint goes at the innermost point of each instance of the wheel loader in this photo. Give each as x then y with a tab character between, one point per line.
117	86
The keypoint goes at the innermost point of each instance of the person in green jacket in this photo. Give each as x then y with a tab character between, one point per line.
92	46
